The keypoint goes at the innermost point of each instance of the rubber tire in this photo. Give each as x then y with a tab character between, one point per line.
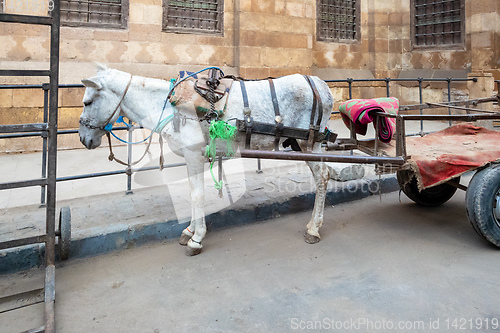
65	233
430	197
480	202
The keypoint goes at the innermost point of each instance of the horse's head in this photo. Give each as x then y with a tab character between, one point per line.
102	99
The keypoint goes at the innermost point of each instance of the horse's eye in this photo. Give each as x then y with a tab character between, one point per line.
87	103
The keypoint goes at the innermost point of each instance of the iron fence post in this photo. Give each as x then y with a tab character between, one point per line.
129	159
43	188
421	101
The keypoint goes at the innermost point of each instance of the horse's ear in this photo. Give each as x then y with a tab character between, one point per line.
92	82
100	67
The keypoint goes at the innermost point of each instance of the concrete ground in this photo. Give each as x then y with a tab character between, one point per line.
103	218
382	265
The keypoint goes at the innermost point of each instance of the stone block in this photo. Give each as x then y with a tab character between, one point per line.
23	98
110	35
222	55
310	12
251	56
136	13
149	2
395	46
253	21
475	23
395	19
145	32
152	14
70	33
277	72
381	46
255	73
71	97
263	6
299	58
69	117
245	5
172	39
275	57
279	7
381	18
489	21
21	115
381	32
482	39
295	9
216	40
5	98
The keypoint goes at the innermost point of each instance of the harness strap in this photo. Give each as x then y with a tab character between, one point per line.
247	114
317	105
279	121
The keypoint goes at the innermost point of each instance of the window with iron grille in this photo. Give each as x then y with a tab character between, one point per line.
337	20
193	16
95	13
438	22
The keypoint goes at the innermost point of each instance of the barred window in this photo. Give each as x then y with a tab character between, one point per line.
193	16
337	20
438	22
95	13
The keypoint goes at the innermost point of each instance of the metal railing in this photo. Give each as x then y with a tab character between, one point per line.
48	130
129	171
419	80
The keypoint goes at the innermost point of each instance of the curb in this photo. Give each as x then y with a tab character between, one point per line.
121	236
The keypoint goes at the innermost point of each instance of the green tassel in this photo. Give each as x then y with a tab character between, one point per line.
219	130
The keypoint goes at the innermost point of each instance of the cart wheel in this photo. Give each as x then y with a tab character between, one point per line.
482	201
430	197
64	233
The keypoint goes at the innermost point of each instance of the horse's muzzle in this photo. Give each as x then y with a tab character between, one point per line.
90	143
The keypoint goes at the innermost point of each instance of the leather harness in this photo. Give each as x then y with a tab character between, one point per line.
249	126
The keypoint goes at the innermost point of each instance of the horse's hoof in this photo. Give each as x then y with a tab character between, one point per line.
184	239
310	239
193	251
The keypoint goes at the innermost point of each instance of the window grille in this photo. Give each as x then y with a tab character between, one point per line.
96	13
193	16
438	22
337	20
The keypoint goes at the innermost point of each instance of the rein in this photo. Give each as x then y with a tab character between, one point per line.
108	125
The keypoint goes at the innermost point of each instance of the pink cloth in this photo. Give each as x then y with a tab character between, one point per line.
361	112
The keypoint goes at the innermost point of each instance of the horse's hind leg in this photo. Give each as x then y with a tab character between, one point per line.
321	176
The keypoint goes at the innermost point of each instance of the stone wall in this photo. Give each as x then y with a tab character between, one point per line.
261	38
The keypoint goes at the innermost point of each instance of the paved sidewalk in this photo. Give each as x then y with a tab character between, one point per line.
105	218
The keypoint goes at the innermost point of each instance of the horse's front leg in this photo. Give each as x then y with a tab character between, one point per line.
321	176
195	232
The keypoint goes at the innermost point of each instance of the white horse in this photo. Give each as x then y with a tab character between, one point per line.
112	93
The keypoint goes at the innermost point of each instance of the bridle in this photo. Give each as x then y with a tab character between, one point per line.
107	124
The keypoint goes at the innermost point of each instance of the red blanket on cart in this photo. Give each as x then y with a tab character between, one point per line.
441	156
361	112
